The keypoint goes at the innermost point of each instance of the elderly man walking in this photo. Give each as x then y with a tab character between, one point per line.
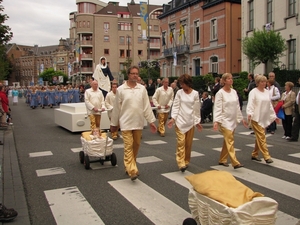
131	106
95	104
163	100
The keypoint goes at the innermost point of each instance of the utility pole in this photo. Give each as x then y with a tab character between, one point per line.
148	43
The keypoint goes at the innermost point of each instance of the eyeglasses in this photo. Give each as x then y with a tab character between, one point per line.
134	73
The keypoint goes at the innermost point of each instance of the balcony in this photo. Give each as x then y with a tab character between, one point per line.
86	42
181	49
154	45
85	56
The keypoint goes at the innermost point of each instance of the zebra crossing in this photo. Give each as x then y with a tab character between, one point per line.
68	202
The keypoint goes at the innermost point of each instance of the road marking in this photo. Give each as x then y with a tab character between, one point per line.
152	204
215	136
50	171
38	154
148	159
297	155
195	139
253	145
196	154
284	165
76	149
284	187
118	146
157	142
220	149
98	166
246	133
69	207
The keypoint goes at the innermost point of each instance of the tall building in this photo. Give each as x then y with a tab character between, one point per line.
281	16
113	31
200	37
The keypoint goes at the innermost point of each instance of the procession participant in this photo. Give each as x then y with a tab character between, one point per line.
15	94
185	115
163	100
94	101
103	75
131	106
34	98
64	95
51	97
109	102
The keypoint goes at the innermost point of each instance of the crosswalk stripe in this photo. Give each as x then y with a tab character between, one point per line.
152	204
155	142
215	136
220	149
253	145
196	154
69	207
50	171
76	149
39	154
148	159
118	146
297	155
284	165
179	178
284	187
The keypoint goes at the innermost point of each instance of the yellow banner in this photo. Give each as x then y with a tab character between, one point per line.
144	18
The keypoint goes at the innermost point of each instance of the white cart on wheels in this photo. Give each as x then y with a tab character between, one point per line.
96	150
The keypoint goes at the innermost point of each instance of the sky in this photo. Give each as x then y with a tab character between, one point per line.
44	22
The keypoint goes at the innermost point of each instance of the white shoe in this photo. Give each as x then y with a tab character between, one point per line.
283	137
287	138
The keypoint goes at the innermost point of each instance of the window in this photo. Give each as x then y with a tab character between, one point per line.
88	24
128	40
213	29
251	16
156	28
106	51
214	64
197	32
106	38
124	26
139	27
197	71
292	7
140	40
122	40
105	25
269	11
122	53
140	52
292	54
121	66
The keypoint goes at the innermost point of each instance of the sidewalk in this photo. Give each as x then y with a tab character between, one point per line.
12	193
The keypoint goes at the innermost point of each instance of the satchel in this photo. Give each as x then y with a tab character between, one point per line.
280	114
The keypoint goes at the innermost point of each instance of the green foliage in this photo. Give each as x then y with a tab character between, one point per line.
283	76
153	67
263	47
48	75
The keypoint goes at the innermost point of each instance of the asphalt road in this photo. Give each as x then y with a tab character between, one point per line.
35	131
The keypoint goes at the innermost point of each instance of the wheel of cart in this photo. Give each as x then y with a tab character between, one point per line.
97	149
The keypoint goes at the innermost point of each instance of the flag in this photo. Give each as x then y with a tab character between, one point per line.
175	58
181	32
171	36
144	18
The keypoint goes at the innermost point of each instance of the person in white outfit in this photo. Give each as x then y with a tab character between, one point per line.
227	115
131	107
185	115
109	104
163	100
260	113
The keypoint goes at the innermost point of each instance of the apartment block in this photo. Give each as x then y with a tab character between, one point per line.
281	16
200	37
113	31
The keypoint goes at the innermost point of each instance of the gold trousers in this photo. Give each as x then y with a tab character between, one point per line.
162	119
132	141
184	146
260	141
95	121
228	147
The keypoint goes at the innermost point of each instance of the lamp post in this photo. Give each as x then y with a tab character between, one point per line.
148	41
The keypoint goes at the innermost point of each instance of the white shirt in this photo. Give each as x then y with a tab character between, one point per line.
227	110
297	98
109	102
260	108
186	110
93	99
274	93
131	106
162	98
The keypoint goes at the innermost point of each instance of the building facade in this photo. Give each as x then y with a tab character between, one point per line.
113	31
281	16
200	37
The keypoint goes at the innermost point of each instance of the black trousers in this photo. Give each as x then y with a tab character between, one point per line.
287	124
296	124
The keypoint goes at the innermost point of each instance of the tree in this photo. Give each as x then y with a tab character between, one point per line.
263	47
48	75
5	37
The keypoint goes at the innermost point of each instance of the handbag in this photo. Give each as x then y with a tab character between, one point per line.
280	114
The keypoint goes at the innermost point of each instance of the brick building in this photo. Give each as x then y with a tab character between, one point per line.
205	36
